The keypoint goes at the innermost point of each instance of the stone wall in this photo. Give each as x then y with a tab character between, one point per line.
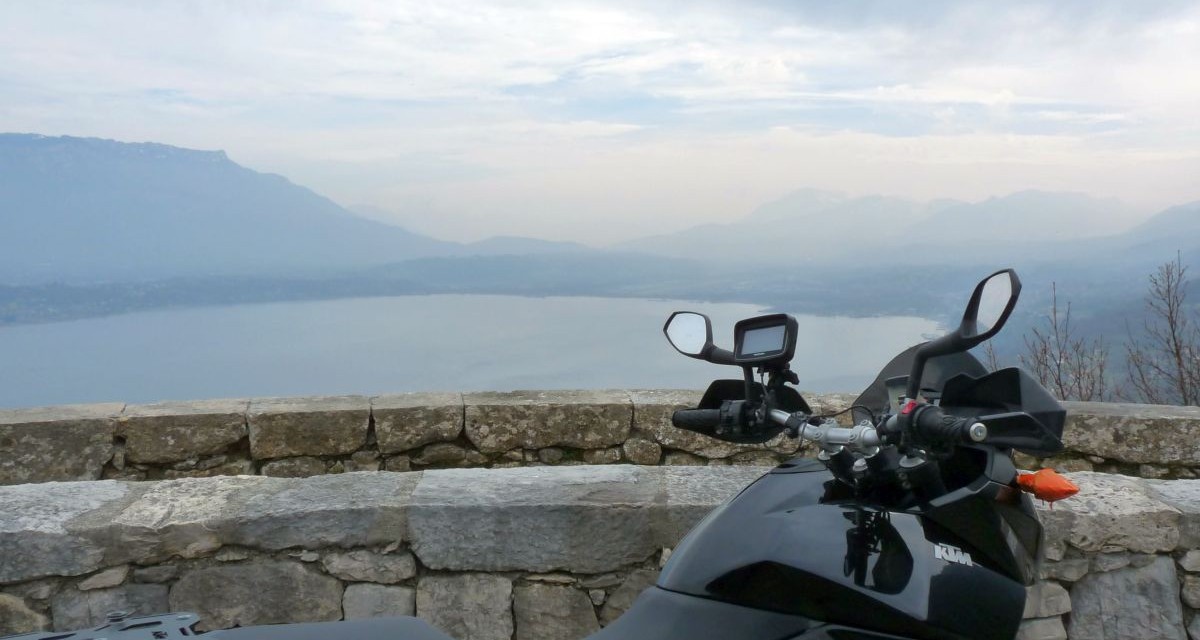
299	437
532	553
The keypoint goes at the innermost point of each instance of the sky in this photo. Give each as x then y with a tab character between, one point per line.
603	121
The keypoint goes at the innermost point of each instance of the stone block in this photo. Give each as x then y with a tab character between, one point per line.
498	422
16	617
1110	512
240	467
468	606
365	600
1135	433
622	597
173	431
550	612
1045	600
302	467
48	444
287	427
73	609
1183	495
361	565
39	531
260	592
446	454
578	519
110	577
1043	629
642	451
652	410
690	493
611	455
410	420
1128	604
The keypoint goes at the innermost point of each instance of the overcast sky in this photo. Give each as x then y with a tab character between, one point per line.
603	121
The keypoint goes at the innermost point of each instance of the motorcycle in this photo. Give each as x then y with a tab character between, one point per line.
912	523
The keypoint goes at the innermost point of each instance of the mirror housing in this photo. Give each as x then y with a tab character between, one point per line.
990	305
690	333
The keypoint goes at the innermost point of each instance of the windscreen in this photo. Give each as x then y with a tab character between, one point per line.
764	340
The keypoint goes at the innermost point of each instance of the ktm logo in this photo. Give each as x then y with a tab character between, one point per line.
948	553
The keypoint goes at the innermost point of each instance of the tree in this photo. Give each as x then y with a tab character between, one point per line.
1074	368
1163	365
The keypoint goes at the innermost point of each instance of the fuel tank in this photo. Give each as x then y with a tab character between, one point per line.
784	546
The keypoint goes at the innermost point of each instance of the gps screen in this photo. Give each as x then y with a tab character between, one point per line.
764	340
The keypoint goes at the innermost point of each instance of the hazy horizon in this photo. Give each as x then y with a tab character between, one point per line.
597	122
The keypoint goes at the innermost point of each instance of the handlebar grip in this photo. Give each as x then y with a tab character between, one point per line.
702	420
931	425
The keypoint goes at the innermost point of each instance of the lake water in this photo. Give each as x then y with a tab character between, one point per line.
409	343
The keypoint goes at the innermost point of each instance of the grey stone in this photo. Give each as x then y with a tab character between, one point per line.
1110	561
497	422
692	492
171	431
468	606
652	417
755	459
551	578
1046	599
446	454
240	467
232	554
287	427
1044	629
610	455
683	459
261	592
74	609
1183	495
1132	433
1067	464
365	600
622	598
110	577
363	461
17	618
1191	591
38	536
641	451
36	590
1190	561
1110	512
301	467
410	420
361	565
579	519
47	444
1128	604
194	517
597	596
157	574
549	612
398	463
550	455
1152	471
1068	570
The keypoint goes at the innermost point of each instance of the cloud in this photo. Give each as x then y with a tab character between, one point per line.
592	112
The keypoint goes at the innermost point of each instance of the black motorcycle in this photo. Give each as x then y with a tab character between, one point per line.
909	524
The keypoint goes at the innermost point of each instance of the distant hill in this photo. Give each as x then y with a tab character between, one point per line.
91	209
814	226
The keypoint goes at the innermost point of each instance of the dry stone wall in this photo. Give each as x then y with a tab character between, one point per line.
300	437
532	553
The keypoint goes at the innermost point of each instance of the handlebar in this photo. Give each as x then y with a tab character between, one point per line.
697	419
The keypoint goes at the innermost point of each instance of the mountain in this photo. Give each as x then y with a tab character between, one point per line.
811	226
86	209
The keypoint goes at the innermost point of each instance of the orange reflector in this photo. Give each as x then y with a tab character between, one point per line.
1047	485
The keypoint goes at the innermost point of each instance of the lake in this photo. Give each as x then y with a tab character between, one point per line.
409	343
